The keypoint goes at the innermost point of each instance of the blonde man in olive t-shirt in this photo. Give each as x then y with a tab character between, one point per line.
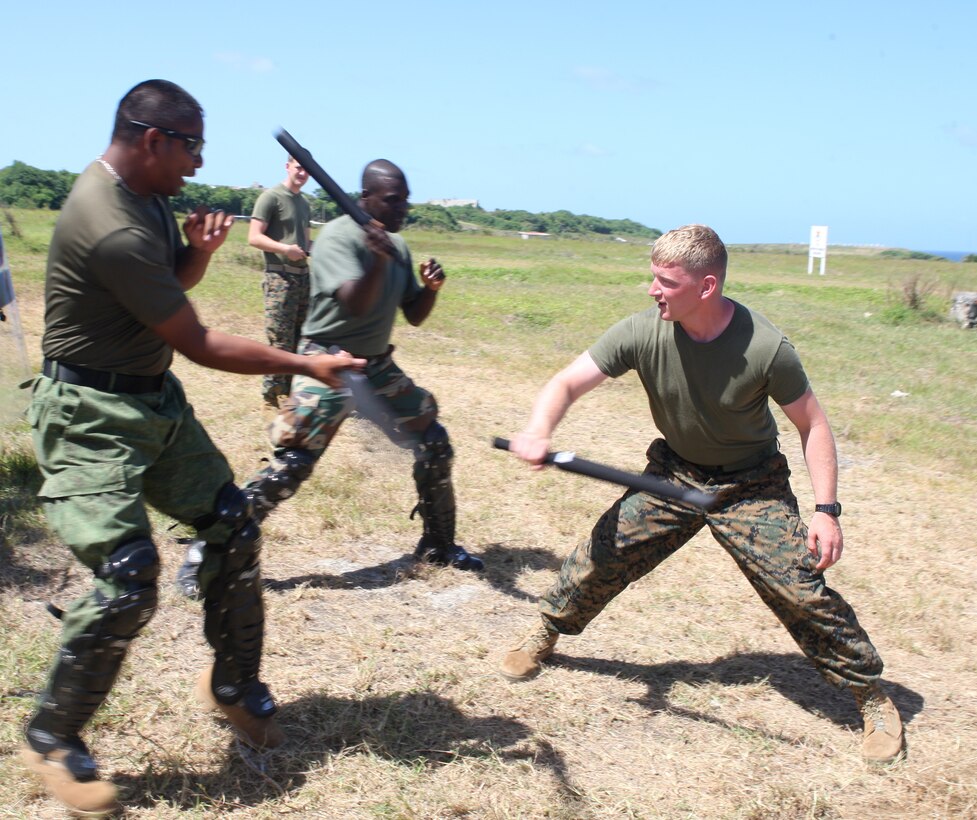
710	367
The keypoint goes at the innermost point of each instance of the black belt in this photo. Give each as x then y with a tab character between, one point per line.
746	463
102	380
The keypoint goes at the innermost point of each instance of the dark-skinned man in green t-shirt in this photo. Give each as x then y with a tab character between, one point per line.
362	277
113	432
710	366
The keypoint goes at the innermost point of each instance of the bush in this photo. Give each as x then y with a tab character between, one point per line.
898	253
432	218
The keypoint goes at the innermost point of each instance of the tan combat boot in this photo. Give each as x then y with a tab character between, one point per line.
257	732
883	741
523	662
80	790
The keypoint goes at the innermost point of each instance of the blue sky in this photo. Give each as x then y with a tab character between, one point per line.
758	118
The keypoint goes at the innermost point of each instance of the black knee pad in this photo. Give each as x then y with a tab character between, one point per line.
231	507
275	485
434	443
432	456
135	565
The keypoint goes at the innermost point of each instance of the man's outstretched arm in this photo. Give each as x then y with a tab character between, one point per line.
235	354
551	405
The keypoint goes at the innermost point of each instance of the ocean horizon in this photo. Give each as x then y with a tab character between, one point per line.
953	256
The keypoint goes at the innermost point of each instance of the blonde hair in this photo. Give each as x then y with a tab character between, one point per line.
696	248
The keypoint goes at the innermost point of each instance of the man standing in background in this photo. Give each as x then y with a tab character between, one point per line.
280	229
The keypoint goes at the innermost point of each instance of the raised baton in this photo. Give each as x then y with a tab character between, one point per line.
571	463
316	171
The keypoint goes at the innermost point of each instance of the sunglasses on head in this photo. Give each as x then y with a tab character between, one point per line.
194	145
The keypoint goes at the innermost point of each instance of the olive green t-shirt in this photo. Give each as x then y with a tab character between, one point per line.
286	217
709	400
341	255
110	278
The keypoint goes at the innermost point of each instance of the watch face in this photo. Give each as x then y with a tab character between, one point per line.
830	509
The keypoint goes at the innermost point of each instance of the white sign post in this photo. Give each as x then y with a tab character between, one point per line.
819	247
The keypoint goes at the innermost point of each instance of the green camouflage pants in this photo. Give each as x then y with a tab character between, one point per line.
103	456
286	303
313	411
756	520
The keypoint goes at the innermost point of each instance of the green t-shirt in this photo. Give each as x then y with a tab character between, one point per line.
709	400
286	217
110	278
340	255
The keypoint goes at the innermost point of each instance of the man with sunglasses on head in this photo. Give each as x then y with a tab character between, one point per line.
280	229
113	431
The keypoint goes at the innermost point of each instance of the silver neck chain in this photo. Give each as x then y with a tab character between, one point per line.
110	169
114	173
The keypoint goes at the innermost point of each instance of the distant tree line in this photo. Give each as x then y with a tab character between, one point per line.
556	222
23	186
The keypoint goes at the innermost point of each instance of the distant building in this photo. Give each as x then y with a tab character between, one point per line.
451	203
533	234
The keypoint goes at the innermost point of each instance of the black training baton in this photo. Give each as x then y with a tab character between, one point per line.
304	158
568	461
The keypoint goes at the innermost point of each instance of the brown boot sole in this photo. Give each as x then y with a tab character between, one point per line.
93	798
259	733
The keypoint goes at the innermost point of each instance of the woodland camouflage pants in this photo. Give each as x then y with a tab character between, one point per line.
313	413
756	520
286	303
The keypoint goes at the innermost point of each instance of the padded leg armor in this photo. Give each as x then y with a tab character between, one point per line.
234	619
280	481
273	485
87	665
436	502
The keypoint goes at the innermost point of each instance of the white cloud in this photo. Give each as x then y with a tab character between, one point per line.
245	62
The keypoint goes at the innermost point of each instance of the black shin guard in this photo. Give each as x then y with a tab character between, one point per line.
436	496
233	610
280	481
87	665
436	502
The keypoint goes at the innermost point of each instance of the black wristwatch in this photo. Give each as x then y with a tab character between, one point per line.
830	509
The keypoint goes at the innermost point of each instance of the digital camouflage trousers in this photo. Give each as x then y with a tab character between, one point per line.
286	304
756	520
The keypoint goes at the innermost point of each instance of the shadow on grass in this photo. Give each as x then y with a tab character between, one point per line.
792	675
419	731
376	577
503	565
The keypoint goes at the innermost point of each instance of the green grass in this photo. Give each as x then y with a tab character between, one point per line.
541	301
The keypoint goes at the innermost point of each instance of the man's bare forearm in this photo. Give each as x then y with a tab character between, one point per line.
418	310
191	265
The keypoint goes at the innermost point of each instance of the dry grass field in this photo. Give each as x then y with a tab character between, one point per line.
685	699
